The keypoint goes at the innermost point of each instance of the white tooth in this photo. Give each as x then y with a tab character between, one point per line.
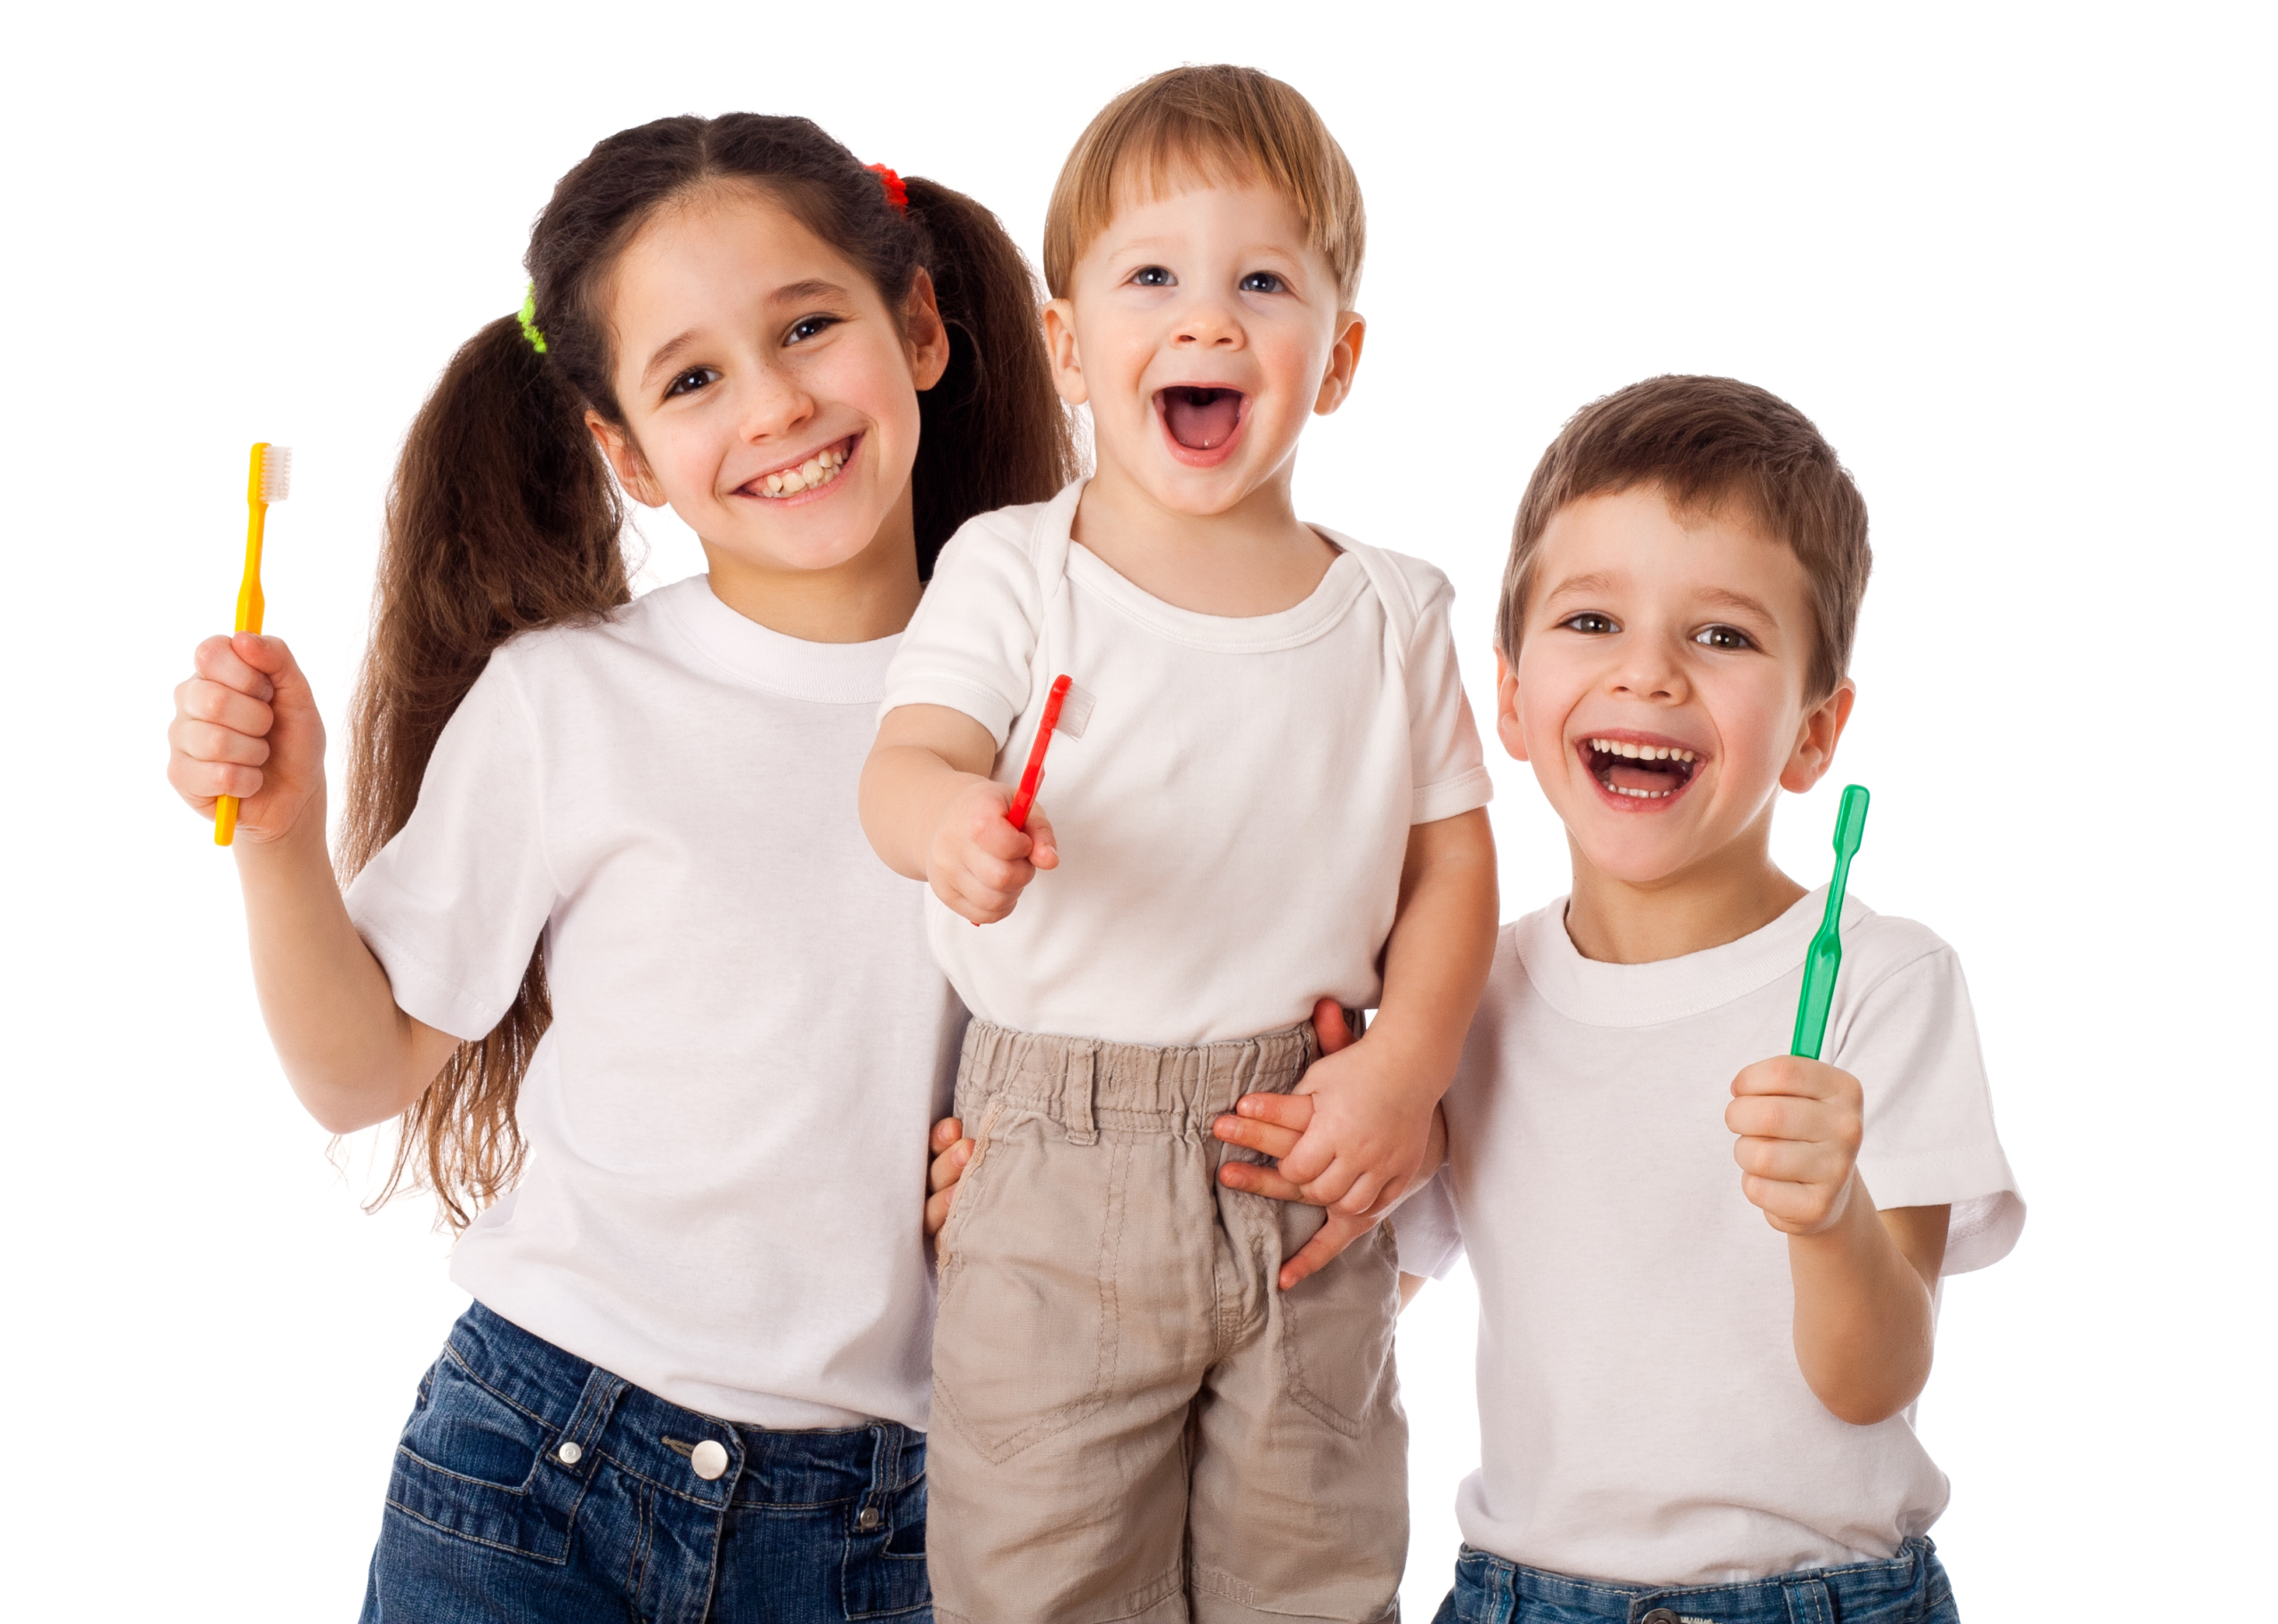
774	484
1630	751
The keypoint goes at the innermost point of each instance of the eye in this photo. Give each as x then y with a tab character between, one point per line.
808	326
1590	623
1263	282
1723	637
687	383
1153	276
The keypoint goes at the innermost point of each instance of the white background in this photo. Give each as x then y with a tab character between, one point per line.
2016	264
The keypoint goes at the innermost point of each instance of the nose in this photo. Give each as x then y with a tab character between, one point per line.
774	404
1649	670
1208	323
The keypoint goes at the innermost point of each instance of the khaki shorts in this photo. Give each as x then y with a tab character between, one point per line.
1130	1420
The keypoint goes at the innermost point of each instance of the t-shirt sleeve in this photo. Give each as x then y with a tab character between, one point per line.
1911	1040
970	644
452	905
1423	1228
1451	772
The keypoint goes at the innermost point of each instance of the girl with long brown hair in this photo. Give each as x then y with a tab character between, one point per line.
663	1038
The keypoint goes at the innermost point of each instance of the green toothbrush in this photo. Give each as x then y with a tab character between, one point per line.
1826	954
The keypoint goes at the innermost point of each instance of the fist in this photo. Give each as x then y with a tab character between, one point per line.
1799	1123
246	724
977	862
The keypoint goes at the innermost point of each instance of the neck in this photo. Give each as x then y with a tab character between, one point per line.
1721	898
1252	558
868	596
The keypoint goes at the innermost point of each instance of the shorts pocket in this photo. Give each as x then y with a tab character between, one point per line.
473	1463
1024	1344
1338	1325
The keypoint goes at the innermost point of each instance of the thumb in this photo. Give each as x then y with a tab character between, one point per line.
1329	1027
1046	852
267	655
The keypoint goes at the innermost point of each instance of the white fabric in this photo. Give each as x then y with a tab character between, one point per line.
727	1119
1232	822
1642	1415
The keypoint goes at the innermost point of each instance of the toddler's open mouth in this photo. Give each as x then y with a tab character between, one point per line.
1637	770
1201	419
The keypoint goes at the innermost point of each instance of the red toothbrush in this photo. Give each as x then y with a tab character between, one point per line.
1067	709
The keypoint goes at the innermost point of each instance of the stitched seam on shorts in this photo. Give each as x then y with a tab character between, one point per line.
459	1533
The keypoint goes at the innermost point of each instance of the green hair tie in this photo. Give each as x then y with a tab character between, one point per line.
529	320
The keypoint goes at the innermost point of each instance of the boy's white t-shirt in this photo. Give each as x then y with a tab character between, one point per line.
727	1120
1642	1415
1232	822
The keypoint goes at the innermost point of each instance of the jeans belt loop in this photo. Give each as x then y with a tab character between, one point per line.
1807	1602
1076	1095
595	1402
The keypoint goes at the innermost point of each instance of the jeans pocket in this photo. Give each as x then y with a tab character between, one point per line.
1024	1344
883	1574
1338	1325
475	1465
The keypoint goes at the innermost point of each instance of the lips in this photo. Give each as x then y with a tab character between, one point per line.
811	473
1645	771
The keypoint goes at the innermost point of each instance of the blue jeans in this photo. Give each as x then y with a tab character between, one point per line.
1910	1588
532	1486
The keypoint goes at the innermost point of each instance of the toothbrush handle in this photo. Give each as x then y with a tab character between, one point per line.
250	605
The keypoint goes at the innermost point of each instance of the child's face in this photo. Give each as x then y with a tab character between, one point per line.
1686	639
769	392
1202	329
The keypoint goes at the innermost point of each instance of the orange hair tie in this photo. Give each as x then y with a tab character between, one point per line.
896	192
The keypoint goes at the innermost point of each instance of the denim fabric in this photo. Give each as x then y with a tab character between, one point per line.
532	1486
1910	1588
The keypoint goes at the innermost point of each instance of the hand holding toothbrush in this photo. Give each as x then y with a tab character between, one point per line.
246	724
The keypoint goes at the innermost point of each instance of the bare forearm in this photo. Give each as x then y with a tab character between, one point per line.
905	790
1862	1325
1441	946
351	1055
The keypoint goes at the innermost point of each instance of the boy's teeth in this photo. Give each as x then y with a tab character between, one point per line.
1640	752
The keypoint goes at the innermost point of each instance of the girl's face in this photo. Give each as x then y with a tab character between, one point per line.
769	398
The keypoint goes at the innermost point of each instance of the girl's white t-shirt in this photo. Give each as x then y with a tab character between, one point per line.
1642	1415
1232	822
727	1120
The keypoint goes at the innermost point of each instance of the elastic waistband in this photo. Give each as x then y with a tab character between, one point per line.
599	1416
1086	1083
1808	1596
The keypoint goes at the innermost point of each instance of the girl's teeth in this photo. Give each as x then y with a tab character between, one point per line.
819	469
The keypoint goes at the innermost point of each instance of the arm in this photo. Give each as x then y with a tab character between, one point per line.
1862	1278
1373	1102
246	724
933	812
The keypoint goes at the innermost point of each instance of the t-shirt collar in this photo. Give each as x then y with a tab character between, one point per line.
825	673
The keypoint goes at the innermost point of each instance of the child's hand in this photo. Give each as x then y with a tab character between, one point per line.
976	861
1799	1123
246	725
952	1151
1367	1134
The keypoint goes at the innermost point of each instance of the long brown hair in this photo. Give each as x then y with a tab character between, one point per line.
504	517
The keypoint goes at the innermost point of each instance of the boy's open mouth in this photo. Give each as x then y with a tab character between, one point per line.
1200	419
1638	772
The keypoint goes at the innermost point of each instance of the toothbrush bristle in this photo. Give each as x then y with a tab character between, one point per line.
275	473
1075	712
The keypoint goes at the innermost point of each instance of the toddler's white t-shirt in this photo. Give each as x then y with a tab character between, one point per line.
1642	1415
727	1120
1232	822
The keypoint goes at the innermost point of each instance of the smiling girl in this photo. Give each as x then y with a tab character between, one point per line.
663	1037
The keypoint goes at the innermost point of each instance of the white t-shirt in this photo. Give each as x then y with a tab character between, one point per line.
1232	822
1641	1412
727	1119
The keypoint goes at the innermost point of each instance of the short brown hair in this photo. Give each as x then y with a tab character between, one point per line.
1228	124
1704	442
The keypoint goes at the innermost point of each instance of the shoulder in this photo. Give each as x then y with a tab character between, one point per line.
1879	947
1020	540
1407	583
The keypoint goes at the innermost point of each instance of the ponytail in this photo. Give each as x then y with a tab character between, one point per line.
504	517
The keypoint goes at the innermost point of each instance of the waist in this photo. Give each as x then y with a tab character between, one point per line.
1176	1088
1848	1591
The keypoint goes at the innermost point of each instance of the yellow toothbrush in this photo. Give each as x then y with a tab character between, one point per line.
270	479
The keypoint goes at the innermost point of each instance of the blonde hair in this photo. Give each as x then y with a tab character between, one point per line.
1218	124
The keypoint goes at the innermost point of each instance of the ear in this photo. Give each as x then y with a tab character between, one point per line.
1343	361
1060	348
1509	726
926	335
625	456
1815	740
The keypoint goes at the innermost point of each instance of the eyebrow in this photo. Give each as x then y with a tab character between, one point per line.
1577	584
1737	600
669	352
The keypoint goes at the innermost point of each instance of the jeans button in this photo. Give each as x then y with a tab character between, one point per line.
869	1520
569	1454
709	1459
1659	1615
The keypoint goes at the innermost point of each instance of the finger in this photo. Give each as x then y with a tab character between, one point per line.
1329	1187
1329	1026
1310	1159
1295	1110
1777	1116
946	1133
1317	1254
267	655
1790	1074
207	741
200	782
1796	1160
937	1208
1267	1138
1045	854
204	699
218	660
1796	1209
948	1167
1255	1180
1360	1195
